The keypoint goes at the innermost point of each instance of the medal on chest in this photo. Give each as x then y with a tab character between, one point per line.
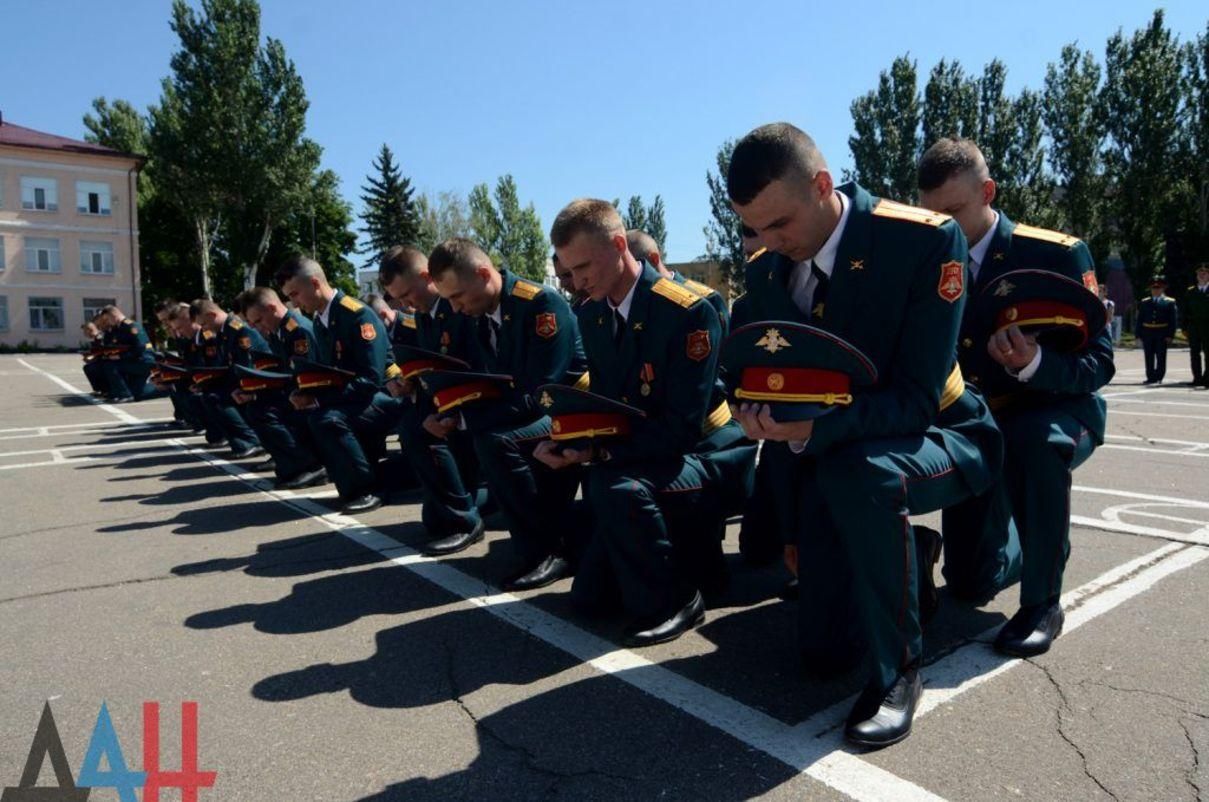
647	374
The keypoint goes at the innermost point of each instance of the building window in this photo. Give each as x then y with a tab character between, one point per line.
40	194
3	313
45	314
96	257
92	197
42	255
92	306
1	254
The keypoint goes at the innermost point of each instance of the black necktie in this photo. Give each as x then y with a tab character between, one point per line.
618	328
818	298
484	332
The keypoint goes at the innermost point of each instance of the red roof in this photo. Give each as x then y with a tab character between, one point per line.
22	137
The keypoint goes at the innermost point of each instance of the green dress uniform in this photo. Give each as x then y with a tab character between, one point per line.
126	376
283	430
537	342
347	427
177	393
918	441
659	496
1051	424
1156	325
711	295
1196	329
92	365
444	468
236	342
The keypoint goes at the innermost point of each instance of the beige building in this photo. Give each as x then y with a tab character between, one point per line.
707	272
68	235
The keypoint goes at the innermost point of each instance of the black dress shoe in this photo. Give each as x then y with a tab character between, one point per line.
1031	631
216	444
265	467
687	617
455	543
927	554
362	504
308	478
547	572
247	453
880	718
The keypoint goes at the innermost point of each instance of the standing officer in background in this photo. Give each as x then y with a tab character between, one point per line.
126	373
1196	325
343	421
528	332
890	280
441	463
653	344
1157	317
1045	402
283	431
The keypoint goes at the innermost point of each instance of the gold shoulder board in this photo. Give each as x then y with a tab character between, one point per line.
409	321
912	214
237	324
526	289
757	255
1045	235
704	290
351	304
675	293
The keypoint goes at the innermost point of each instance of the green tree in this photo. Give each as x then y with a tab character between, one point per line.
885	146
656	224
723	232
635	214
390	215
1196	59
227	135
441	217
322	229
1076	135
1140	105
950	104
511	235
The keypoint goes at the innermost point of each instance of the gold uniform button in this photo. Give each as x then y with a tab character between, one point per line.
967	343
625	399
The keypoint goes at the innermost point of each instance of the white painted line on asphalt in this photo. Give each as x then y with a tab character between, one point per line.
1167	451
120	414
66	430
53	462
1193	445
1105	491
1158	402
824	759
122	449
1116	413
1198	538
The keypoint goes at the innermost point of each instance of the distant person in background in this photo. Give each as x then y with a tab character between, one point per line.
1196	325
1157	317
1110	307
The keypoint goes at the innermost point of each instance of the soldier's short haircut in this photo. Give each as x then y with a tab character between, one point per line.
459	255
591	215
202	307
165	305
376	302
257	296
298	266
770	153
400	260
641	244
110	309
949	157
179	311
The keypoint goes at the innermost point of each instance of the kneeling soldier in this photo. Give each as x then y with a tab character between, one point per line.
652	344
126	371
236	342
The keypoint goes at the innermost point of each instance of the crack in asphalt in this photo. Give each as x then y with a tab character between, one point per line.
1064	705
1196	761
531	761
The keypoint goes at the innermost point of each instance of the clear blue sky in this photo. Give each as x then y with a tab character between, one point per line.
573	99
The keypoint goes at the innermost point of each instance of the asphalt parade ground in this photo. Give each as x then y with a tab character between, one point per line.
330	661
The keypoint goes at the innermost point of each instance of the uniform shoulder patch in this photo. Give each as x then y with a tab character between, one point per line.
290	324
351	304
526	289
704	290
1045	235
409	321
756	255
675	292
911	214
